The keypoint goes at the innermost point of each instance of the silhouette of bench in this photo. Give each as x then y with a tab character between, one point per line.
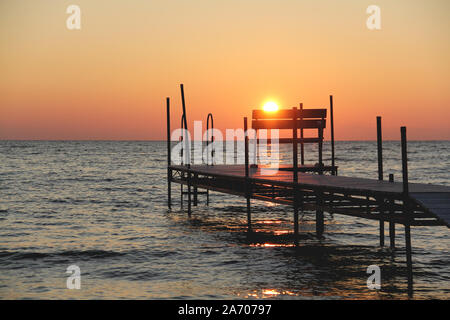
296	120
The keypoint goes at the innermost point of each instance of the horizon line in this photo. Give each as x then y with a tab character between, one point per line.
158	140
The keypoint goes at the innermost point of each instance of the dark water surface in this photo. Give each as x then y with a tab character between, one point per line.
102	206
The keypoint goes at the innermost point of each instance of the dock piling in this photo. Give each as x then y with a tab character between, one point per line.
247	184
302	144
319	216
392	227
169	171
189	193
379	149
195	191
294	145
404	160
332	135
406	211
380	172
381	225
391	223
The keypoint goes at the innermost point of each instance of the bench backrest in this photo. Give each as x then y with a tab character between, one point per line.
283	119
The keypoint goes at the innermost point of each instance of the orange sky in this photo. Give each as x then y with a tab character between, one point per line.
109	80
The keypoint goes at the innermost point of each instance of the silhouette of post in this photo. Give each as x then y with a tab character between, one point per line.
169	171
392	223
302	145
380	174
379	149
295	169
247	183
407	212
332	135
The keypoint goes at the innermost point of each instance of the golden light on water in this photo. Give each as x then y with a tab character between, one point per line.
270	106
270	292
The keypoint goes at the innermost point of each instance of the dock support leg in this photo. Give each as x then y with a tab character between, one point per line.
207	197
409	259
319	217
392	235
169	189
195	190
249	216
189	194
248	190
381	233
249	212
181	193
296	224
295	217
392	225
169	171
381	224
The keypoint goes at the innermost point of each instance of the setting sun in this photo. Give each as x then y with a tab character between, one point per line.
270	106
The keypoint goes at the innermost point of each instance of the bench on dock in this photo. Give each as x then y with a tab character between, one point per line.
297	119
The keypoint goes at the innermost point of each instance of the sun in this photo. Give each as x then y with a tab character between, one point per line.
270	106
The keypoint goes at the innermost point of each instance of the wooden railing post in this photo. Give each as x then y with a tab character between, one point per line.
169	171
392	223
295	169
302	145
294	144
379	149
247	183
332	135
380	172
406	210
321	147
404	161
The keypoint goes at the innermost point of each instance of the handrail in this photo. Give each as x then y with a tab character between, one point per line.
183	128
210	116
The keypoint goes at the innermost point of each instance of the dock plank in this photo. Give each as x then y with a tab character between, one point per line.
437	203
338	182
433	198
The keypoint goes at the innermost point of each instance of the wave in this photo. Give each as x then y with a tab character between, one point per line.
91	254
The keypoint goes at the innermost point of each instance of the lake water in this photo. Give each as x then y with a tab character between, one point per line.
103	206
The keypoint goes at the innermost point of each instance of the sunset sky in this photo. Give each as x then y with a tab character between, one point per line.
110	79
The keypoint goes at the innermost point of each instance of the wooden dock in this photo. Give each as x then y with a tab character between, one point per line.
366	198
308	187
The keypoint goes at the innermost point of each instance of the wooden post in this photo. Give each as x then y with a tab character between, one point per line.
294	144
184	118
379	149
409	258
332	135
380	172
406	211
319	215
247	184
391	223
381	223
181	191
295	216
404	161
169	171
295	168
320	149
302	145
189	192
195	190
